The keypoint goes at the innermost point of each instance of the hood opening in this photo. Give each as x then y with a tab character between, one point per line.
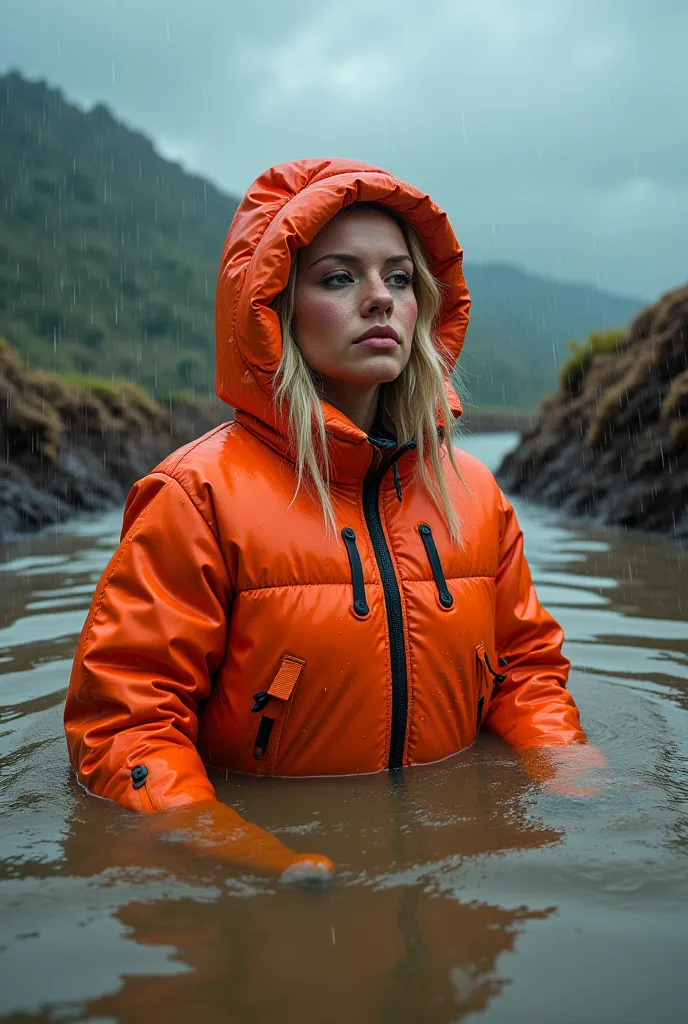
283	210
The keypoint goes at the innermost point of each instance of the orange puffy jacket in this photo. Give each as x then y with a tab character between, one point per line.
229	630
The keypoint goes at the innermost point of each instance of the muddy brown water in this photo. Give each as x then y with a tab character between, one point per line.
464	892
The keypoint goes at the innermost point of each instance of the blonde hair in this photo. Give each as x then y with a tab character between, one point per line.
408	405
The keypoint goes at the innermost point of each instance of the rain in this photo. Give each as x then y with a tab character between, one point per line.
386	838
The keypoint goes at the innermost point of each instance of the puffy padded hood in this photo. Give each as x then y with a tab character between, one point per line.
283	210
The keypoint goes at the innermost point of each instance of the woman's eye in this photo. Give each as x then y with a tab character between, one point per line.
403	279
342	278
400	278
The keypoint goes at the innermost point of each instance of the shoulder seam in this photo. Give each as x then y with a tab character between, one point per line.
192	447
213	529
199	510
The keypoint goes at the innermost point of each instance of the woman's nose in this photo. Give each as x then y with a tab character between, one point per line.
379	298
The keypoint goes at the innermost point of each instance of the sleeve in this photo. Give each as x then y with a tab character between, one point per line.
532	707
154	637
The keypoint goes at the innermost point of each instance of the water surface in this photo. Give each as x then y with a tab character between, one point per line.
464	891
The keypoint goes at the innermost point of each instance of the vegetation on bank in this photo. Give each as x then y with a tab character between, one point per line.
113	390
612	442
40	410
582	354
600	349
70	443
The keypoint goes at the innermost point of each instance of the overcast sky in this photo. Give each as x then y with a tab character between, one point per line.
554	132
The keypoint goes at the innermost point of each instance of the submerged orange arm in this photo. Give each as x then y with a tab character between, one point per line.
532	707
154	637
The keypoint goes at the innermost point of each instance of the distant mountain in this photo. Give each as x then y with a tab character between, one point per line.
520	323
108	253
109	257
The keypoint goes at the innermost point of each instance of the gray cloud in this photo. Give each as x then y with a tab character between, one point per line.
555	135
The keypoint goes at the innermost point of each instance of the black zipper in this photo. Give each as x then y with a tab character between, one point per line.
390	590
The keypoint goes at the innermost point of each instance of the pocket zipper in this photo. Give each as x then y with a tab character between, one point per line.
262	737
357	582
274	704
481	707
497	680
446	600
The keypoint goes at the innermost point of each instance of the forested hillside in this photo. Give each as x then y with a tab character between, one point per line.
109	257
108	253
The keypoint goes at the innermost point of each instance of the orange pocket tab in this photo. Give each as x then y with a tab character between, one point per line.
283	685
275	711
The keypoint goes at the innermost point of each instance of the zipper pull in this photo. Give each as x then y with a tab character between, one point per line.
261	700
497	678
139	774
406	447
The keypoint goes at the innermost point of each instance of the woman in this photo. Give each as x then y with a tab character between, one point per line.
325	585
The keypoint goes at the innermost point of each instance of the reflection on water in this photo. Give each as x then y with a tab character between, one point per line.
463	890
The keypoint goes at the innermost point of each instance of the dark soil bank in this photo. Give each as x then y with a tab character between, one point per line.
613	441
70	446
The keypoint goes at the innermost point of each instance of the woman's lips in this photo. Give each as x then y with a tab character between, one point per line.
378	342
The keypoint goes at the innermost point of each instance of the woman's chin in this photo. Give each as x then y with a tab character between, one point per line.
378	369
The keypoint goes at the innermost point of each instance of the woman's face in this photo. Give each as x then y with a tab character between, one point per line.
355	277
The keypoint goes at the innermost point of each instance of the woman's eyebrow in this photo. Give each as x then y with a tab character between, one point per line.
347	257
